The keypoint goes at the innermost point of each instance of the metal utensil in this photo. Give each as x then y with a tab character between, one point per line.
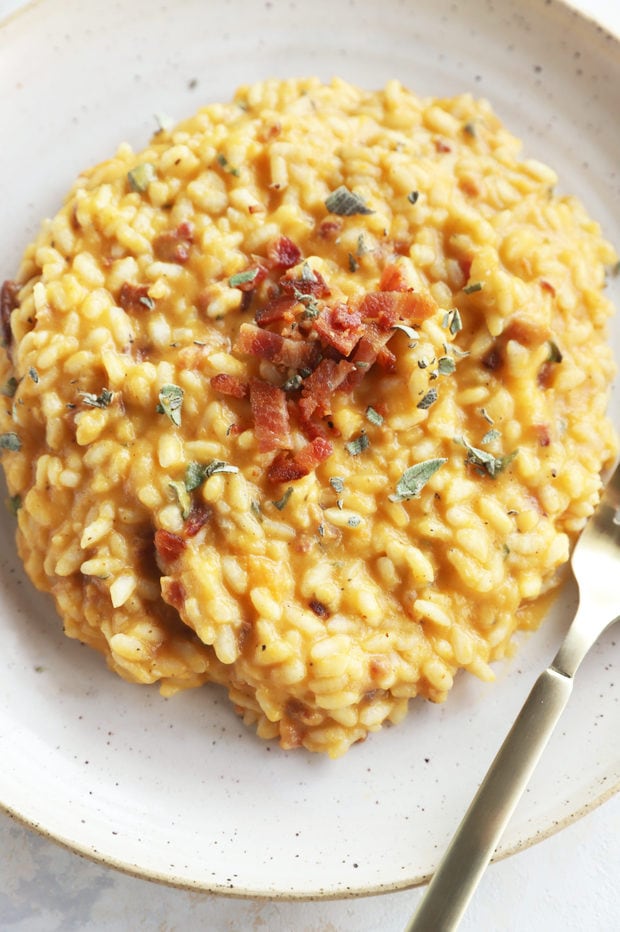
596	566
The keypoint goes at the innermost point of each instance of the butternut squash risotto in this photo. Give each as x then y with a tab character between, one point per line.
308	399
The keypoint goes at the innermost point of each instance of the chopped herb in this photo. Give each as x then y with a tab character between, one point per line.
292	384
242	278
97	401
555	354
34	375
196	473
140	177
170	402
321	530
307	274
361	365
492	464
146	302
183	497
407	330
358	444
373	416
506	550
615	269
362	248
345	203
10	441
459	353
163	121
491	435
280	504
415	478
452	321
311	308
429	399
353	263
485	414
15	503
337	484
413	196
423	363
471	289
10	387
470	129
224	163
446	365
354	521
256	510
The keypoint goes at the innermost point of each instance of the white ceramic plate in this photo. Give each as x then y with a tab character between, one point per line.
179	790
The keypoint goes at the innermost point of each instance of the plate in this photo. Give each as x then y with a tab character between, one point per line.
178	790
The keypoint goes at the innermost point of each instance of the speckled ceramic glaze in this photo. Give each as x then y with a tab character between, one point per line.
179	790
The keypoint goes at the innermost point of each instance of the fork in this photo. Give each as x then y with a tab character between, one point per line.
596	566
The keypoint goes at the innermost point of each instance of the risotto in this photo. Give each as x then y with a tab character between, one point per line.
308	399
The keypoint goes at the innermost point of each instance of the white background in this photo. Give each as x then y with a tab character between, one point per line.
567	882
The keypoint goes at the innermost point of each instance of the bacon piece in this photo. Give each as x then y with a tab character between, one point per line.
370	348
547	286
318	388
135	297
493	359
393	279
441	146
229	385
255	281
168	546
173	592
271	421
527	331
288	467
282	351
340	326
8	303
173	246
283	253
543	434
386	307
329	229
313	284
197	518
319	608
279	308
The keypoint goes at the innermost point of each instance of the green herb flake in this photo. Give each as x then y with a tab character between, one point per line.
223	162
10	387
197	473
491	435
358	444
34	375
469	129
345	203
171	402
373	416
256	509
353	263
615	269
146	302
183	497
473	288
337	484
97	401
429	399
446	365
555	354
10	441
415	478
413	196
362	248
281	503
354	521
242	278
292	384
140	177
14	503
493	465
452	321
485	414
163	121
407	330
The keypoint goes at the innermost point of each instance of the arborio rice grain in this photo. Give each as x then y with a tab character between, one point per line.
308	399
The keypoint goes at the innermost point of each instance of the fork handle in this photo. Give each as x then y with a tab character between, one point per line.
476	838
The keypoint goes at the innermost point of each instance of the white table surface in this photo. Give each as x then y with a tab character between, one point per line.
567	882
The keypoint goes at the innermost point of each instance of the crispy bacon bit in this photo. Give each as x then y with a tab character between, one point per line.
469	186
174	592
329	229
465	265
282	351
319	387
270	413
229	385
8	303
173	246
198	517
393	279
259	276
492	359
368	351
340	326
542	432
313	284
287	467
319	609
442	146
545	374
134	297
168	546
547	286
386	307
283	253
277	309
527	331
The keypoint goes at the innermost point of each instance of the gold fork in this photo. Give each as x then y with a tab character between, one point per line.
596	566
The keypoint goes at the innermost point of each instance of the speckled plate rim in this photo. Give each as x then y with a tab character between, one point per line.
170	880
